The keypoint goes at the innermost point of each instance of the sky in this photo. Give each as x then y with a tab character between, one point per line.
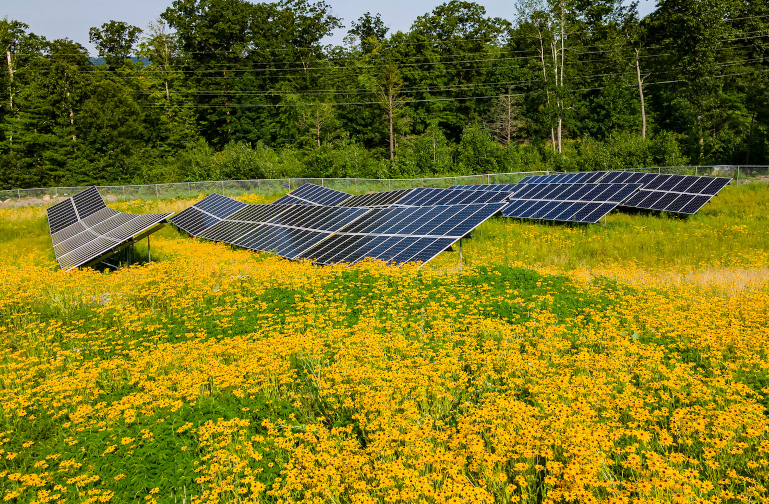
72	19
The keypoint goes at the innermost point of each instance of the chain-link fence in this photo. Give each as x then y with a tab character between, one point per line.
272	187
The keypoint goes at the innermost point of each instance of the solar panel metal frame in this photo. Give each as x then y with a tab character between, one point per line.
97	232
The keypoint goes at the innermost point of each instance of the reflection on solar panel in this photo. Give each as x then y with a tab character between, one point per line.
684	194
84	231
285	230
205	213
508	188
568	202
425	196
311	194
376	199
402	234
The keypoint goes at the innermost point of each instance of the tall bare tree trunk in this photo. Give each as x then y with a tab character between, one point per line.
10	87
641	94
509	116
71	117
544	76
392	140
563	57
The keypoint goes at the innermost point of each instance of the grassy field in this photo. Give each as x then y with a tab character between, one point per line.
553	363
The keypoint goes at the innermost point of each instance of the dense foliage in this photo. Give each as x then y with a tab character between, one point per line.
231	89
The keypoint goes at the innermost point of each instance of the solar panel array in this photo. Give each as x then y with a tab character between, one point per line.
567	202
425	196
85	231
402	234
684	194
376	199
311	194
488	187
205	213
286	230
567	178
407	225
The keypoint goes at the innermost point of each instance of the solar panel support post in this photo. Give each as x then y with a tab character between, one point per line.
149	250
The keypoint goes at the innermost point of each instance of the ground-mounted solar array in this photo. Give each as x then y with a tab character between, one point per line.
85	231
400	235
311	194
285	230
205	213
587	203
425	196
409	225
684	194
376	199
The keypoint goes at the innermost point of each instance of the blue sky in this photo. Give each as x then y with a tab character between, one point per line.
73	18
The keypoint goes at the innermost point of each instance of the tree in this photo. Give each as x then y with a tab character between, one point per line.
365	28
385	82
115	41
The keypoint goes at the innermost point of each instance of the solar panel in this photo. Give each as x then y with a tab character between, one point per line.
311	194
567	178
402	234
508	188
567	202
683	194
85	231
426	196
376	199
286	230
205	213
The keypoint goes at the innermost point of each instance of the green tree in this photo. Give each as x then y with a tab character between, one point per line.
115	41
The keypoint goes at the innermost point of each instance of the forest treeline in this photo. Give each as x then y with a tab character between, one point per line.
228	89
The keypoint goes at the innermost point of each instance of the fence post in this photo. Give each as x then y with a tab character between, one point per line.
738	175
222	182
123	194
157	197
695	171
18	194
488	179
289	185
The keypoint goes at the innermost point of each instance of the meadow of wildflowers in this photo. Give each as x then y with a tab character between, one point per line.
553	364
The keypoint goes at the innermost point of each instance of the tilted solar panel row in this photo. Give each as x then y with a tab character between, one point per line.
286	230
401	235
487	187
566	178
376	199
85	231
205	213
311	194
689	184
587	203
425	196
